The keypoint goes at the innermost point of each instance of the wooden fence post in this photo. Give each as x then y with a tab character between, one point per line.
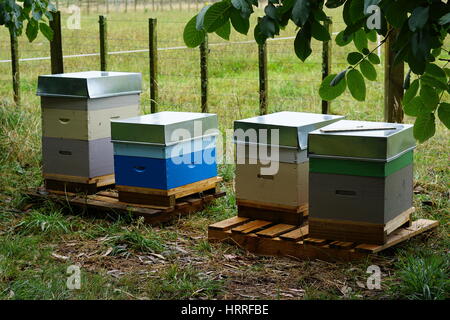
56	53
153	51
326	60
15	67
263	85
393	82
103	42
204	53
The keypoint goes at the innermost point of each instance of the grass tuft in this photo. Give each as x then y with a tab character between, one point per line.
52	223
136	241
424	277
184	283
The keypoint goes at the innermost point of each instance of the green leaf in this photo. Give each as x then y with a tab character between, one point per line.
429	97
340	77
368	70
444	19
435	71
411	92
224	31
356	10
243	6
374	58
319	32
444	113
360	40
216	16
414	107
424	127
418	18
356	85
300	12
302	43
46	31
334	3
342	40
201	17
191	36
32	30
354	57
328	92
372	36
240	24
268	27
434	82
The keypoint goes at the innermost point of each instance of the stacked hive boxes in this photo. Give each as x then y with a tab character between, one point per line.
157	154
76	112
280	196
361	180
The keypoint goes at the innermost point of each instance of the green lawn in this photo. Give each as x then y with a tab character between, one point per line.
125	259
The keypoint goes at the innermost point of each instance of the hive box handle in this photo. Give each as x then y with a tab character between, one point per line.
346	193
139	169
264	176
65	153
64	120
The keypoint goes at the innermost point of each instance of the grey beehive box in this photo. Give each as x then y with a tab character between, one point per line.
77	110
361	180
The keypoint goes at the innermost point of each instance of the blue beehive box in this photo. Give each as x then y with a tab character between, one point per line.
164	151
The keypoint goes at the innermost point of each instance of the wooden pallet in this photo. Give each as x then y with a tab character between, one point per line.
108	201
361	232
272	212
58	182
165	197
269	238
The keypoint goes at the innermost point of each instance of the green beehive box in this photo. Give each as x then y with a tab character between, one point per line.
361	180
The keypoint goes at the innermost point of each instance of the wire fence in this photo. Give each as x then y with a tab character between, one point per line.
233	78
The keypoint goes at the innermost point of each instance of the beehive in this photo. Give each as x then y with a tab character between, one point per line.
361	180
76	133
281	196
156	153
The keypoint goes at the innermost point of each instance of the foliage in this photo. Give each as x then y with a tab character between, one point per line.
424	277
422	28
35	13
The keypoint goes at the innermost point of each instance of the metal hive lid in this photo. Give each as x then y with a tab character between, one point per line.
89	84
293	126
363	140
163	128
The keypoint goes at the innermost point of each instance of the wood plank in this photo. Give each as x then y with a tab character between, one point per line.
147	199
347	231
179	192
228	223
400	235
342	245
100	181
297	234
150	214
277	247
315	241
109	194
275	230
271	206
251	226
398	221
293	218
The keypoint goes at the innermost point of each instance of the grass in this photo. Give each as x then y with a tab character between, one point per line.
37	244
424	276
